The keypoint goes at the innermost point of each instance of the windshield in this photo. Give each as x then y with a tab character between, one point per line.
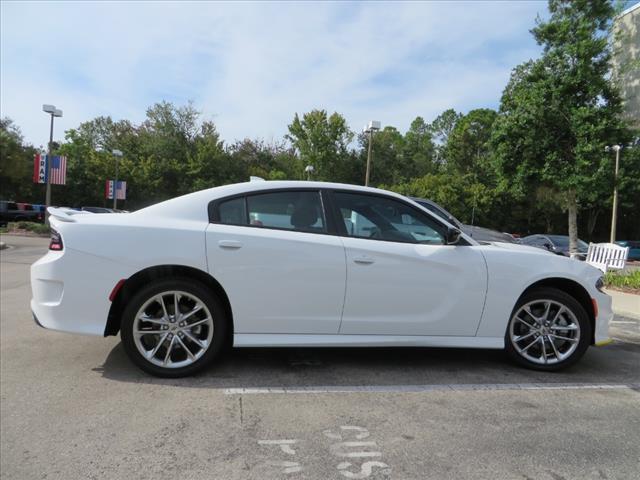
562	241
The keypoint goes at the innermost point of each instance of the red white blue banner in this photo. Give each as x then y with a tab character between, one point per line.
58	169
121	190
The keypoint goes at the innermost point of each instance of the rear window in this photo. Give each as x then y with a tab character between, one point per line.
300	211
233	212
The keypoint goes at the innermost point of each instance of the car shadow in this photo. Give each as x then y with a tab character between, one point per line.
334	367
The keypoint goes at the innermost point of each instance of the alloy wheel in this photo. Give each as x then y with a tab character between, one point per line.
544	332
173	329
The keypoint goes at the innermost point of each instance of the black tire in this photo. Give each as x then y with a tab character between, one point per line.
570	303
194	288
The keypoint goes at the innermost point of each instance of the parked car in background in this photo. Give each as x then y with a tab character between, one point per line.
307	264
18	212
634	248
558	244
97	210
479	234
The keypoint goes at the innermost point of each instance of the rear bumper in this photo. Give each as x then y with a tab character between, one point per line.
71	291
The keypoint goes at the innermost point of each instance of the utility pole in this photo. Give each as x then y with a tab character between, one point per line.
54	112
373	126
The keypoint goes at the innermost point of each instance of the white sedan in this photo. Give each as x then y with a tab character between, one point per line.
290	264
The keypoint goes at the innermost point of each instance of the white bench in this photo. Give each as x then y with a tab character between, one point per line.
607	256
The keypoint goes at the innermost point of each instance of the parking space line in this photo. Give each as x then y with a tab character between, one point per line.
428	388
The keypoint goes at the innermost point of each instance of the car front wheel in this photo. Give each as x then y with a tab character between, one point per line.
548	330
173	328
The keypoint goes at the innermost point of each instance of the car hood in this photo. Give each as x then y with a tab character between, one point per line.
519	248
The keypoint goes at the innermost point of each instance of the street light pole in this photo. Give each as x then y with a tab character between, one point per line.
117	154
54	112
373	125
614	216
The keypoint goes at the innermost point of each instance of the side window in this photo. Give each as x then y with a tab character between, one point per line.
291	210
381	218
233	212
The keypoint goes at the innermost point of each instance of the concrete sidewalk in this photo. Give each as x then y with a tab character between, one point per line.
626	304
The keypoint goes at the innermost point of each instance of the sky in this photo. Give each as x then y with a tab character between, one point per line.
250	66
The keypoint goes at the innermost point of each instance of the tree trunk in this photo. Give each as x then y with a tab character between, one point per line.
572	207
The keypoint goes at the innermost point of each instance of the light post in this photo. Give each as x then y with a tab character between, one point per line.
54	112
309	171
614	215
118	155
370	128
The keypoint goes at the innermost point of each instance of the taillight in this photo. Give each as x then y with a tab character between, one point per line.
56	241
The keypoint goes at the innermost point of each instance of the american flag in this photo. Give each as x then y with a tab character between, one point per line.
121	190
58	169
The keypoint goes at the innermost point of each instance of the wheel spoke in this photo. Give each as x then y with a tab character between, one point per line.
196	309
164	307
544	350
194	339
186	349
545	315
146	318
567	339
565	327
153	352
557	315
530	345
528	311
176	302
553	345
167	356
148	332
522	337
199	322
526	323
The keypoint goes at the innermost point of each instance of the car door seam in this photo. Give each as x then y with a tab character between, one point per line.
346	283
486	292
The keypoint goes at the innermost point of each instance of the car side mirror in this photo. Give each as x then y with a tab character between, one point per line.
548	246
453	236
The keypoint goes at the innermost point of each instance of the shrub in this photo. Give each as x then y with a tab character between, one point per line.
629	280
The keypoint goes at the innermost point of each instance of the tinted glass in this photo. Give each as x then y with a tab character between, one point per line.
381	218
300	211
233	212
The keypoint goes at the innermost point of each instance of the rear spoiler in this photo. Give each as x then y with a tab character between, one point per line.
65	214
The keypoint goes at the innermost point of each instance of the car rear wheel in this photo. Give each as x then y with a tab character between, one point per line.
548	330
173	328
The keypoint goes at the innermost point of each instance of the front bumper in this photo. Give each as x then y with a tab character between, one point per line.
603	319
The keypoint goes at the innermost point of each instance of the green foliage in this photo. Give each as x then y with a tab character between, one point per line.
557	113
630	280
322	141
33	227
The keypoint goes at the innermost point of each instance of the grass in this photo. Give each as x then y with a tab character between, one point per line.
623	280
21	227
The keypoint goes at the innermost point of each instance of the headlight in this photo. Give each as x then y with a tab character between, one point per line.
600	283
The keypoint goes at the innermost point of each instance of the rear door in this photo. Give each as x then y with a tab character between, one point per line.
401	277
273	255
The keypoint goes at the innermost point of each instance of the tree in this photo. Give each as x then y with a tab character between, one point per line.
16	163
322	141
440	129
468	149
558	112
419	150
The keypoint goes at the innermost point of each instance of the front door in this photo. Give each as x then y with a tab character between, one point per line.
401	277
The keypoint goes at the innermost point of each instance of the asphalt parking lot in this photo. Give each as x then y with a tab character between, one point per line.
74	407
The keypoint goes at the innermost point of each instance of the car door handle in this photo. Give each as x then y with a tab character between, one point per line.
363	259
230	244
